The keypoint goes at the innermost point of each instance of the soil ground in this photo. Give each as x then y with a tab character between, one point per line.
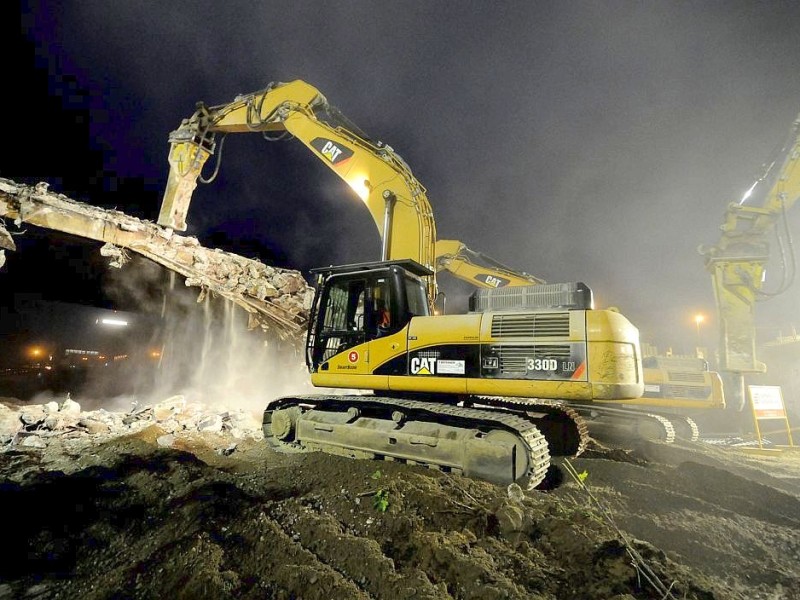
127	518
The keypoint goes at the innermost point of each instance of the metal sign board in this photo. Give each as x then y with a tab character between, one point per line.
767	402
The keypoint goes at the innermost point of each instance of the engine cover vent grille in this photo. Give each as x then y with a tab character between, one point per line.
690	391
531	325
686	376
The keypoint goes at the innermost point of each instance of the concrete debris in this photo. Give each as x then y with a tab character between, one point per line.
166	441
515	493
10	423
212	423
69	407
163	411
33	441
117	255
35	425
6	242
228	450
510	518
32	415
277	300
93	425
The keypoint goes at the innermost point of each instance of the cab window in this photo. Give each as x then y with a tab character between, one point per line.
343	324
417	298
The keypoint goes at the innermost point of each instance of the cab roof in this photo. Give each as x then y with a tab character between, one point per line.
407	264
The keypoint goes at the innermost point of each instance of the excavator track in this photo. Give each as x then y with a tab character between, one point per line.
604	420
495	445
685	427
566	431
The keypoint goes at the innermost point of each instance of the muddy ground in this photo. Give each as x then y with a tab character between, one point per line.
215	517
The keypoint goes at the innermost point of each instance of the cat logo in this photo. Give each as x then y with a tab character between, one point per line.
333	152
492	280
422	365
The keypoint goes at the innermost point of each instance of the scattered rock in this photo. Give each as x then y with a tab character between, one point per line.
69	406
510	517
32	441
168	408
166	441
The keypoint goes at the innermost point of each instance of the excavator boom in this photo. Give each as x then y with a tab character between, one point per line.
373	170
477	268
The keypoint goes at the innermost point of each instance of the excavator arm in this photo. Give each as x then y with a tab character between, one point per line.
737	262
377	174
396	200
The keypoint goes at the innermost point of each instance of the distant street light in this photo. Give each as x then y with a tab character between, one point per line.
113	322
698	318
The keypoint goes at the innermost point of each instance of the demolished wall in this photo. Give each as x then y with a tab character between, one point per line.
276	300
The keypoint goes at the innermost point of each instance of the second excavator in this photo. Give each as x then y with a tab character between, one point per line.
487	394
738	261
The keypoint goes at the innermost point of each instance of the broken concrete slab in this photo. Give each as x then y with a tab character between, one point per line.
6	241
277	300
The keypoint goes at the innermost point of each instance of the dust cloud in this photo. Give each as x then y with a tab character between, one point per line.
208	354
192	344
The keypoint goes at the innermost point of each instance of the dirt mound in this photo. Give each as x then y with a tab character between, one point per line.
205	518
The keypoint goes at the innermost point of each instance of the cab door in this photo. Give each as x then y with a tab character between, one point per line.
340	349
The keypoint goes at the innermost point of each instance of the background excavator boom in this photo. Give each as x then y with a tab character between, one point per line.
477	268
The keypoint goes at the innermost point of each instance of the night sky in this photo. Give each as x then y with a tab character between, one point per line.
577	141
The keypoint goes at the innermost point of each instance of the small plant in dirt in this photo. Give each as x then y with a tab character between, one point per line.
380	501
376	475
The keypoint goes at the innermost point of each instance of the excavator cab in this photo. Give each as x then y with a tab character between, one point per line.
358	303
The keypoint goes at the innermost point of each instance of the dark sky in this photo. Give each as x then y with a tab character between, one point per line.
577	141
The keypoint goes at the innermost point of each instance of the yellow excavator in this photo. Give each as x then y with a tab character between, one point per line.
737	261
487	394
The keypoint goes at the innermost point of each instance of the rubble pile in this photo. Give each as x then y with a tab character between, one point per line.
36	426
277	300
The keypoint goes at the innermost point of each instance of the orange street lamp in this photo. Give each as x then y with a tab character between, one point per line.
698	318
